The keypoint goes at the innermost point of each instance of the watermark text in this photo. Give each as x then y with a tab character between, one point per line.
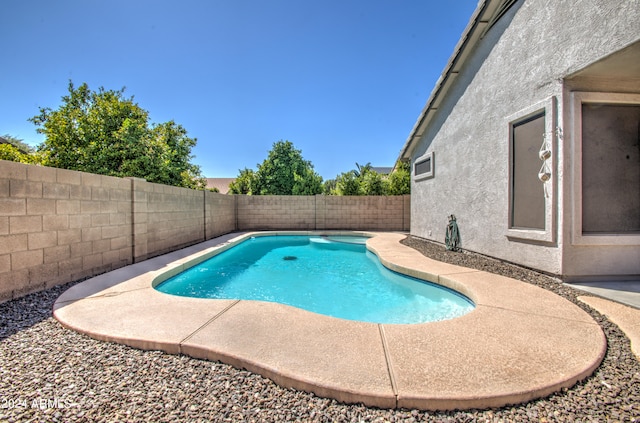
37	403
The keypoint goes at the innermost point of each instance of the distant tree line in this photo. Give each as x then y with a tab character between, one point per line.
286	172
107	133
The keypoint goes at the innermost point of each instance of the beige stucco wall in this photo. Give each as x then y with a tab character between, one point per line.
517	66
57	225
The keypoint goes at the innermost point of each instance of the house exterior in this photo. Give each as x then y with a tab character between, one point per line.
531	139
382	170
221	184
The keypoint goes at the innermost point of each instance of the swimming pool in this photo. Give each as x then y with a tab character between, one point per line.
334	276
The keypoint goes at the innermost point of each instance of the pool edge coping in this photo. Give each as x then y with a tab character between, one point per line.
403	398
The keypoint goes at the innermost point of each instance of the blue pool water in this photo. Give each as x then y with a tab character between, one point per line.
335	276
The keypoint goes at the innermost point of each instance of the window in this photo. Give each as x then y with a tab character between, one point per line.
423	167
532	134
606	160
527	191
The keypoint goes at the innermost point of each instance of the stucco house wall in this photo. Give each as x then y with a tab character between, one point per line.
514	67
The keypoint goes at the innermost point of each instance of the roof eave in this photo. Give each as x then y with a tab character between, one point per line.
471	35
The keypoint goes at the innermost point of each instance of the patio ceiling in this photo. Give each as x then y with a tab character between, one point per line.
622	65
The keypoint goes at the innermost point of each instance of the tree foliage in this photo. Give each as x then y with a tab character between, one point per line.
285	172
18	143
365	181
329	186
347	183
310	183
372	184
16	150
399	181
242	183
11	153
106	133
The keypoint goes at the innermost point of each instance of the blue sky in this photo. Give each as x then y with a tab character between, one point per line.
343	80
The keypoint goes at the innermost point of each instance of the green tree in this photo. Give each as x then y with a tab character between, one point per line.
362	180
308	184
12	153
347	183
365	181
399	181
106	133
175	154
277	173
18	144
362	170
371	183
16	150
329	187
242	183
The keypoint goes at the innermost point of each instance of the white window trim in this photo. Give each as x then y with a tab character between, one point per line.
577	99
548	235
426	175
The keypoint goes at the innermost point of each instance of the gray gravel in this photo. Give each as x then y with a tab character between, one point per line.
51	374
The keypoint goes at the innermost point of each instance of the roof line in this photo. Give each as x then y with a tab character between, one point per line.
472	33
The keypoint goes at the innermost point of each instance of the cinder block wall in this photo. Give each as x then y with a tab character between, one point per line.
378	213
257	212
220	214
322	212
58	225
166	218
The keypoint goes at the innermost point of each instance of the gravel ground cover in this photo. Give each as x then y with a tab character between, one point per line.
51	374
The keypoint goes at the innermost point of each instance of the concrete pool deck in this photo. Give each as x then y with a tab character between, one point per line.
521	342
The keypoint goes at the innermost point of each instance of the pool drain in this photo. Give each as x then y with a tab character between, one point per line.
290	258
